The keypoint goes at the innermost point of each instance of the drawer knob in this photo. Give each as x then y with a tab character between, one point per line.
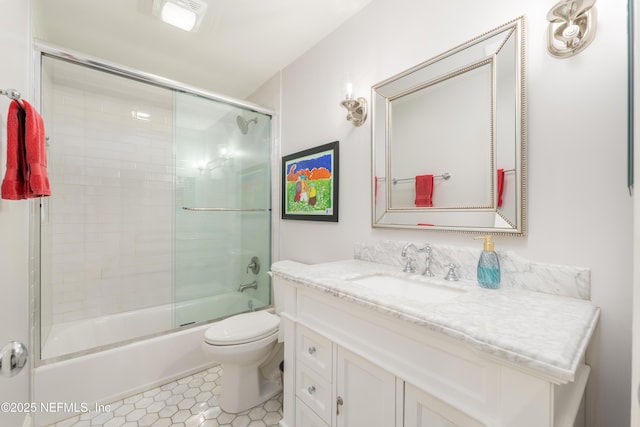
311	389
312	350
339	403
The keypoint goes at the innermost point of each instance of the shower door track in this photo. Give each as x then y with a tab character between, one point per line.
80	58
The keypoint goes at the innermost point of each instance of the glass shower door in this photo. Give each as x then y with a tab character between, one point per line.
222	224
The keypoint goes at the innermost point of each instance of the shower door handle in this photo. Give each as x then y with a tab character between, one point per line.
13	358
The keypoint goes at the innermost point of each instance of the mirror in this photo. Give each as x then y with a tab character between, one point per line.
449	139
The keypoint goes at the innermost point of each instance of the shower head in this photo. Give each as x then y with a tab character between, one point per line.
243	124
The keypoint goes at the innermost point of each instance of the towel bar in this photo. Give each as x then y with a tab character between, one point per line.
444	176
13	94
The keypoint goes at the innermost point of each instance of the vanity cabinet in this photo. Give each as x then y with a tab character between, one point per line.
348	365
336	387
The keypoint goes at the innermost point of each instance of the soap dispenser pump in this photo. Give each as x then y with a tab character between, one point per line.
488	265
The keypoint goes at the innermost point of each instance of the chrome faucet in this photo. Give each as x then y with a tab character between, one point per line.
410	266
253	285
427	267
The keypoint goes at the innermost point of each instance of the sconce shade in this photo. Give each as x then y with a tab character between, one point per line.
572	27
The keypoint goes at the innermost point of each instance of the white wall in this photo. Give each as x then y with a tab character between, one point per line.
577	115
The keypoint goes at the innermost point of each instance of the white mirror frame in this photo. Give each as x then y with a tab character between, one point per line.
472	219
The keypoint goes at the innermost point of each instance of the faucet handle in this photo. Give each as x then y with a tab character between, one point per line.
451	275
410	266
254	265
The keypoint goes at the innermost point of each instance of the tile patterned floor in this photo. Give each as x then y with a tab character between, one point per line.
189	402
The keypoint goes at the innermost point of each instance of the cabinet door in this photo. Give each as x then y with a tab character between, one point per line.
366	393
305	417
424	410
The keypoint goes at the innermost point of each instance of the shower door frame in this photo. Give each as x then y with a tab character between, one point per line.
42	49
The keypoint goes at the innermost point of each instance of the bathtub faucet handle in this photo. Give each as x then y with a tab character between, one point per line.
254	265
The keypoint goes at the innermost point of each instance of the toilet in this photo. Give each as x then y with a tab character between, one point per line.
247	347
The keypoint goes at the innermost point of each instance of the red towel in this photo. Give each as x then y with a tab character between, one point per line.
500	186
13	184
424	191
26	175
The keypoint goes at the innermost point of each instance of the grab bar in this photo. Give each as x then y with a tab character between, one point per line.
187	208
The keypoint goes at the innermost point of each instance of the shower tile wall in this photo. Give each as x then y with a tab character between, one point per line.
107	229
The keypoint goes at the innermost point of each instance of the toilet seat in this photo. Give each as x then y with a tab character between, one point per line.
242	328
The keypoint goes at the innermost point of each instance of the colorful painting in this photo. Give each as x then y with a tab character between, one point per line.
310	184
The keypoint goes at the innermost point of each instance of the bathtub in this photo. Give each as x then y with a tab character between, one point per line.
117	371
79	335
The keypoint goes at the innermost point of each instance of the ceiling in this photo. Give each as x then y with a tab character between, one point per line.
240	44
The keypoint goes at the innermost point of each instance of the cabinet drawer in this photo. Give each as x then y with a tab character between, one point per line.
305	417
316	351
314	391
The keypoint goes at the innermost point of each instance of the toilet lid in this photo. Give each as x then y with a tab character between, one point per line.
242	328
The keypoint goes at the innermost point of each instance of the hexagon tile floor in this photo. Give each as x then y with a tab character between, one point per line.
188	402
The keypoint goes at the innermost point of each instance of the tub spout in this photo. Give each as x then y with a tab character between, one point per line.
253	285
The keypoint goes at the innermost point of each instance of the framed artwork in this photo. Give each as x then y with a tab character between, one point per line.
310	184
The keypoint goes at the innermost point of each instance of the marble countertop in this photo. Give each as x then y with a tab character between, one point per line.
546	333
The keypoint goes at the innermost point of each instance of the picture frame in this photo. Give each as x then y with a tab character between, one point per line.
310	181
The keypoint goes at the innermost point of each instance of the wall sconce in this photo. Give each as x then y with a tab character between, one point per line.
356	108
572	27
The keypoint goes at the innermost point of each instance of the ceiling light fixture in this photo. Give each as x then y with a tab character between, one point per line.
184	14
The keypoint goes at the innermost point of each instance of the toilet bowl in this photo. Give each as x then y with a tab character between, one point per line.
244	345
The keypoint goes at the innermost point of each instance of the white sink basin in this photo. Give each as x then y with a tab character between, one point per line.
415	289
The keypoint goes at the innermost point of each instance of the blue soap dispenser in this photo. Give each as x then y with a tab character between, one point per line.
488	265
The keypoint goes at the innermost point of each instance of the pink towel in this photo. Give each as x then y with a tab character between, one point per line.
424	191
500	186
26	175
